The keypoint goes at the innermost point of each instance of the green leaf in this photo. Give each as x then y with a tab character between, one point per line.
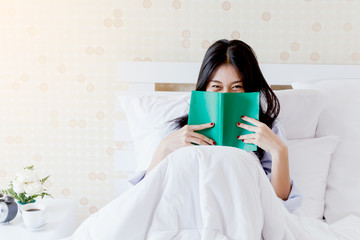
46	194
5	192
12	192
44	179
30	167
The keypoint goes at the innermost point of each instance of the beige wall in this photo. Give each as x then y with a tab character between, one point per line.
58	71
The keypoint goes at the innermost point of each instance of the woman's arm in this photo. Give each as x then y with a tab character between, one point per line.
181	138
266	139
280	176
159	155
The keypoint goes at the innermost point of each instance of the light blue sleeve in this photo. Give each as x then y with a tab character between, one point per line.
137	177
295	198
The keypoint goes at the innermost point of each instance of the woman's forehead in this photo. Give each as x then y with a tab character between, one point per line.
226	72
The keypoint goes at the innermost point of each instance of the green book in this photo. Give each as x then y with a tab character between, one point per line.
225	110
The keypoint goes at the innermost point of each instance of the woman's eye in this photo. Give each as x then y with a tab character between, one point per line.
237	86
215	86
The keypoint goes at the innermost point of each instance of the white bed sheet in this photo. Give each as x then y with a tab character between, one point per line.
207	193
347	228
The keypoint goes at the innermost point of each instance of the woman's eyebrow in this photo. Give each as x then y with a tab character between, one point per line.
239	81
217	81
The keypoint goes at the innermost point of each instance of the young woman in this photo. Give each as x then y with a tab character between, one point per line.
205	192
231	66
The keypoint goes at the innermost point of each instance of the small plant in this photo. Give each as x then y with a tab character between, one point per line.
27	186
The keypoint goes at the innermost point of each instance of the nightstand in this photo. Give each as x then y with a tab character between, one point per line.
62	222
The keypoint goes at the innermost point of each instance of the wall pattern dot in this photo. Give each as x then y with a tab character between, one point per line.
58	67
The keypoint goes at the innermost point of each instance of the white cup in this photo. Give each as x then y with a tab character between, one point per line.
34	215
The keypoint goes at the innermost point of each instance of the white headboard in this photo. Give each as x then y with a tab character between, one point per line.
144	75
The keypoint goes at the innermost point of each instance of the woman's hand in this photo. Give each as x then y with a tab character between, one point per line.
263	136
185	136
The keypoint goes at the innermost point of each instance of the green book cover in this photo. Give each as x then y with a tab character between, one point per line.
225	110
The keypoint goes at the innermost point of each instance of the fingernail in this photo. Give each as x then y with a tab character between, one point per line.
214	142
212	124
242	140
238	124
242	116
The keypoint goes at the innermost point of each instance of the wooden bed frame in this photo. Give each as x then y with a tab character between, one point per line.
163	76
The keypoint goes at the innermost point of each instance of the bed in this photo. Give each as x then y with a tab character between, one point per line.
319	114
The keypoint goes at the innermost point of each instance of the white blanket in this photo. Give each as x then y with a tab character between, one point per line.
200	193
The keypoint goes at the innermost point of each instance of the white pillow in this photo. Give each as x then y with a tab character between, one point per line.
341	117
148	118
309	161
299	112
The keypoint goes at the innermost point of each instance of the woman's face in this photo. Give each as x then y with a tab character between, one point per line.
225	79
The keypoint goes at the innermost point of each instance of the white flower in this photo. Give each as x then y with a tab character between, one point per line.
33	188
29	184
27	176
18	187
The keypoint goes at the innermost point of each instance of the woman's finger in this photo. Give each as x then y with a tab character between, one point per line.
252	120
247	136
250	140
195	140
200	126
247	127
202	137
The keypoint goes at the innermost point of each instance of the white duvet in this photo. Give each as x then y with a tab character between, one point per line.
206	193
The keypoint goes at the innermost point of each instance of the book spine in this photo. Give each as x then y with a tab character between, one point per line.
221	119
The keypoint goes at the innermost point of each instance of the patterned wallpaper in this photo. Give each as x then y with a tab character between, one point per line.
58	72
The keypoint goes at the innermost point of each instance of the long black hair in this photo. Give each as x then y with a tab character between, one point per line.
242	57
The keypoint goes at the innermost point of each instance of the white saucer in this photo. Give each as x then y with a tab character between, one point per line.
34	229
